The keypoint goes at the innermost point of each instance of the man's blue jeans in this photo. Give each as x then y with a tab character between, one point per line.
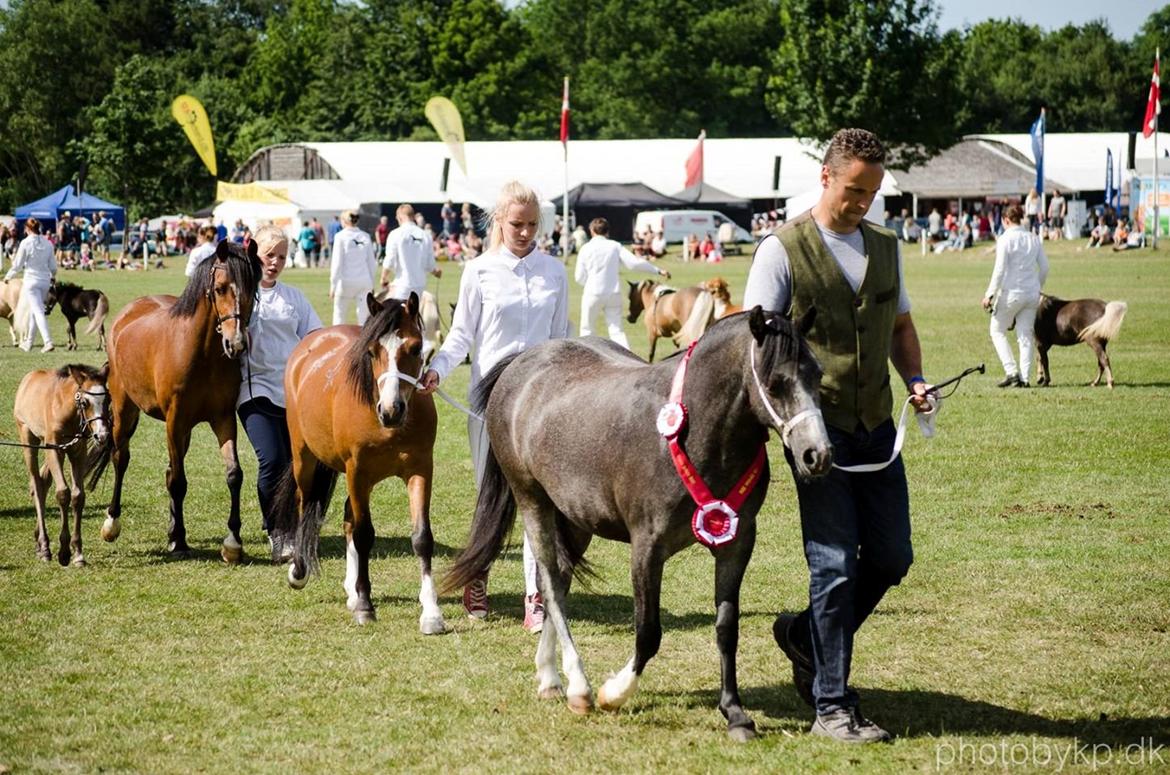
856	531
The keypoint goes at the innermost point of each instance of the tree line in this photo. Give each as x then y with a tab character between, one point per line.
86	85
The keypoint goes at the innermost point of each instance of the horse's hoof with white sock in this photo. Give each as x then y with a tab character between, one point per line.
294	581
432	625
580	704
366	616
551	692
616	691
111	529
232	550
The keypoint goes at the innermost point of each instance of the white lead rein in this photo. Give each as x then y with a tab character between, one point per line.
444	395
925	423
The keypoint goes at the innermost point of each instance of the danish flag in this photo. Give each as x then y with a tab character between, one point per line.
1154	105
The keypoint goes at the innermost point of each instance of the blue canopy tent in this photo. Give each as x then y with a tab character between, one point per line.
65	200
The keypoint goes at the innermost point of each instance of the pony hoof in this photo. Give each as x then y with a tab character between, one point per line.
365	616
44	556
742	734
63	559
581	705
79	562
551	692
178	551
294	581
111	529
431	625
231	551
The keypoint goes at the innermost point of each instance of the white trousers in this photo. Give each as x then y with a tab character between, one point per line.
1021	307
34	292
611	307
345	297
477	435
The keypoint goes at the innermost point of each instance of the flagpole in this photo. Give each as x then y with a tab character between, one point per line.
1043	193
565	145
1157	217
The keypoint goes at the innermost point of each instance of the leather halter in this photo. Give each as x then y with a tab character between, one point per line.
220	319
716	520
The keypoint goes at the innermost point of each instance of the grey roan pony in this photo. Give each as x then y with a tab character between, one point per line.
574	447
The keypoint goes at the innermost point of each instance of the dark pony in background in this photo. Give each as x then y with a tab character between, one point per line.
177	360
575	448
77	303
1092	321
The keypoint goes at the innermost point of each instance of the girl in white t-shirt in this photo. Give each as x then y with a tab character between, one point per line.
281	318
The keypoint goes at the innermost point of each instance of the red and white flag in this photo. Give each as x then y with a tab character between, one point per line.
695	163
1154	105
565	115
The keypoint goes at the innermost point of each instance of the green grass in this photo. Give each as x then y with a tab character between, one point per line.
1036	612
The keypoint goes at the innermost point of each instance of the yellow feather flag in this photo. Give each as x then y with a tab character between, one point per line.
445	118
249	192
190	114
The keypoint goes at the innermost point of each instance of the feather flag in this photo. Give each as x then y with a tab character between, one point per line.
565	115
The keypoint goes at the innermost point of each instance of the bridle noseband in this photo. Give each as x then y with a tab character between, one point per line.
81	405
783	426
221	319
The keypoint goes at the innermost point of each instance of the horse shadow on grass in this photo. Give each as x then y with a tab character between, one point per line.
920	713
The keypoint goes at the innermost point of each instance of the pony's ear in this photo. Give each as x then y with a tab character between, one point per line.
412	305
105	371
805	324
758	323
222	250
253	251
77	374
632	284
372	303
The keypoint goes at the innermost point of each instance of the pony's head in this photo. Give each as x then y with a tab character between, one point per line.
786	385
229	281
636	303
717	287
58	291
388	348
91	398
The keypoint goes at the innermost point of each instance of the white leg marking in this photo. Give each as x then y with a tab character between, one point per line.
619	688
351	574
431	620
548	681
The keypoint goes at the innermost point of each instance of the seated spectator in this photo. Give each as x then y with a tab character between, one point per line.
1121	235
691	248
454	248
709	249
658	245
1100	234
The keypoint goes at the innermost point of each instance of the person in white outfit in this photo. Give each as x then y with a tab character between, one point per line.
204	250
410	256
352	269
511	298
35	258
1020	271
597	270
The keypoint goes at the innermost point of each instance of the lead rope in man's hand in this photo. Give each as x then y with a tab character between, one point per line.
442	394
926	422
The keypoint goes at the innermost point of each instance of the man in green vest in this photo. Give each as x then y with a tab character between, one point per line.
856	526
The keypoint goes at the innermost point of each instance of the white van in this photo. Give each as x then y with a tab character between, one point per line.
677	225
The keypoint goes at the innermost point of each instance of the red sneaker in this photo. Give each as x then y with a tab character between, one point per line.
475	598
534	613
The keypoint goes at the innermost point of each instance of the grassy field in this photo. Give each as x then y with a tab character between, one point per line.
1034	619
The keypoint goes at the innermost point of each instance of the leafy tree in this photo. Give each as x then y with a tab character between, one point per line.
880	65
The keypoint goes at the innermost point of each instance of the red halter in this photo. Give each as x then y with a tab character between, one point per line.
716	521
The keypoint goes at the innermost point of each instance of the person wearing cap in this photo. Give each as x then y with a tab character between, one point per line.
352	269
598	263
35	258
410	256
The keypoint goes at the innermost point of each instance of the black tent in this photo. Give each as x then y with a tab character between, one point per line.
704	196
618	203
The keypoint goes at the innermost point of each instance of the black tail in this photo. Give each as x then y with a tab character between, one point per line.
495	511
571	555
97	457
495	508
304	530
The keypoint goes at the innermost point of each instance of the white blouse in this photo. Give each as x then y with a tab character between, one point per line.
281	318
35	258
506	305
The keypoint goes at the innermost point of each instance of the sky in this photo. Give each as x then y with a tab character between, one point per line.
1125	17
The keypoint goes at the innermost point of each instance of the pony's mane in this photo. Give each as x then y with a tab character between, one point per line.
244	272
782	344
62	286
359	371
89	371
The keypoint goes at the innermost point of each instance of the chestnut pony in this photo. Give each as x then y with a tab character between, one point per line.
66	412
682	315
177	360
717	287
353	409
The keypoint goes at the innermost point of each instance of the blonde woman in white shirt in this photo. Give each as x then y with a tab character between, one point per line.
1020	271
281	318
510	298
352	269
35	258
